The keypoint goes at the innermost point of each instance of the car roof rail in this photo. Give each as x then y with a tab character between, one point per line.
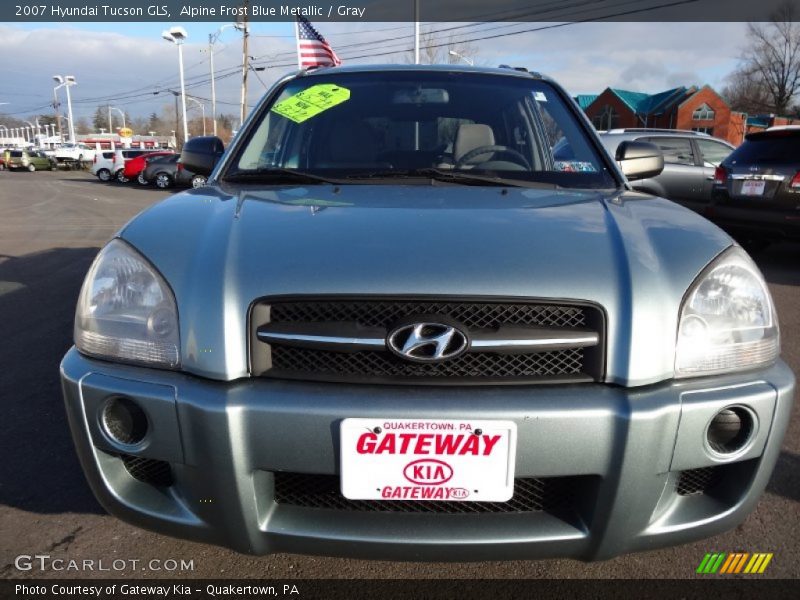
658	130
534	74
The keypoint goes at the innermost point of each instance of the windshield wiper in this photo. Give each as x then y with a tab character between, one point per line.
456	177
468	178
278	175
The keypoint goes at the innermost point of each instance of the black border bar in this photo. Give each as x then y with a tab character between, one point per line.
472	11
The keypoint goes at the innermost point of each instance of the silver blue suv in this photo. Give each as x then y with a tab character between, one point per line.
396	326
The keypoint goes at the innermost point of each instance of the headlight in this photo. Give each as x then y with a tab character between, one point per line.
126	311
727	321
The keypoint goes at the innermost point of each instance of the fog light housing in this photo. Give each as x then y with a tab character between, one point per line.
123	421
730	430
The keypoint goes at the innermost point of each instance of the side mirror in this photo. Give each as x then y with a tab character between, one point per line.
201	154
640	160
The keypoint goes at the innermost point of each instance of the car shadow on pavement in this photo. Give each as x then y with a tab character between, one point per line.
780	263
132	185
785	479
39	471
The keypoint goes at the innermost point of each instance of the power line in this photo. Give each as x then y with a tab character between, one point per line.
229	72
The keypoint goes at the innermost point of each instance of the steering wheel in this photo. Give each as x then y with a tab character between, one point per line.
492	150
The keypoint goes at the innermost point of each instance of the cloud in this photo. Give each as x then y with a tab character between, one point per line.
584	57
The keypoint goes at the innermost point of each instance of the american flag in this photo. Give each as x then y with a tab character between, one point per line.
312	49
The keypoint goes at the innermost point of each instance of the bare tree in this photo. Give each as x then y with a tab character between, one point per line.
745	93
770	71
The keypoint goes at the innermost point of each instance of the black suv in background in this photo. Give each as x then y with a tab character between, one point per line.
757	188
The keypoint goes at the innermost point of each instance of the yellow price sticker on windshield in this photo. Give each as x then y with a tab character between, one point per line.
312	101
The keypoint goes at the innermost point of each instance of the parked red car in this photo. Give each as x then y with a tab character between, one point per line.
136	166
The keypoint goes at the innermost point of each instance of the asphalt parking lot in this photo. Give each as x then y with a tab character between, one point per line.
51	226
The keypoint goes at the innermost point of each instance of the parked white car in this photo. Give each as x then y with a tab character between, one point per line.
104	165
78	152
110	164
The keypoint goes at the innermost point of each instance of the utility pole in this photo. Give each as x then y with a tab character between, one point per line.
416	32
110	126
245	60
56	106
213	86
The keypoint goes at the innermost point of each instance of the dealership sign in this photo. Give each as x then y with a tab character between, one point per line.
423	459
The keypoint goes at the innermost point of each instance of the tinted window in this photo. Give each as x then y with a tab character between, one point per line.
163	159
713	153
770	149
677	151
398	122
16	154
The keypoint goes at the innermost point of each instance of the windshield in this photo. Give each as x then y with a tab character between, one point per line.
425	125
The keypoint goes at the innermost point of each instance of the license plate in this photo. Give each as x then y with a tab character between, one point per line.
433	460
752	187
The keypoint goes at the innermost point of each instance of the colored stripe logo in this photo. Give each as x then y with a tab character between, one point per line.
734	562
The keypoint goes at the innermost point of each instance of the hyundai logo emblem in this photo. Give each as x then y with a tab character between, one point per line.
427	341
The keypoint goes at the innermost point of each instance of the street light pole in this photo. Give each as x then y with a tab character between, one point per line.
29	127
212	39
69	112
120	111
469	61
67	81
177	35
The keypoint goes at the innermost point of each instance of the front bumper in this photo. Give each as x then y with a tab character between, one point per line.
625	450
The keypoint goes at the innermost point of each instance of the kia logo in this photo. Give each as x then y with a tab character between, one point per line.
427	341
428	471
459	493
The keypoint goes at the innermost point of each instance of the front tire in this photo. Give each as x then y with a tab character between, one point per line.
141	180
163	181
199	181
31	168
121	177
104	175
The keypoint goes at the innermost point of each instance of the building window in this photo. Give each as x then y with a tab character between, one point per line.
703	113
708	130
606	119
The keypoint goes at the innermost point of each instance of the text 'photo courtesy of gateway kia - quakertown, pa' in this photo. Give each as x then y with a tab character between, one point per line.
419	313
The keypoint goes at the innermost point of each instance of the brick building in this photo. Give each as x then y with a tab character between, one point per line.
762	122
692	108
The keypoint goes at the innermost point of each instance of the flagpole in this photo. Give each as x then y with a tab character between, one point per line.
297	42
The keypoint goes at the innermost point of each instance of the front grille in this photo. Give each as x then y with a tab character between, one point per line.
697	481
383	364
379	365
384	313
148	470
552	494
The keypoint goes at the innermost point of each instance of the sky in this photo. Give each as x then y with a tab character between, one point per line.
124	63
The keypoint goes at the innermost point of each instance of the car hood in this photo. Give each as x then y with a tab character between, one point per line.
221	248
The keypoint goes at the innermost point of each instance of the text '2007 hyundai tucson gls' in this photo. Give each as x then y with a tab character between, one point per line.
394	326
